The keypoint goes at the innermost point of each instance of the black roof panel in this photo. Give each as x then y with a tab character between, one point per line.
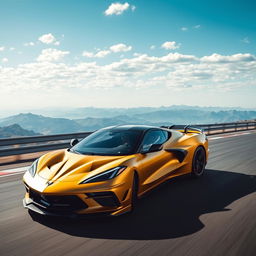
133	127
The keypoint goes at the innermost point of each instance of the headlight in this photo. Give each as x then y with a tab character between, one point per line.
32	168
107	175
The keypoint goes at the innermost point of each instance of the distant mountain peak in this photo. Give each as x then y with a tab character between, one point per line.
15	130
93	119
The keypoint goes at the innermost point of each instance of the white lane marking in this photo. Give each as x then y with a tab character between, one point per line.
10	174
230	135
15	171
215	138
19	169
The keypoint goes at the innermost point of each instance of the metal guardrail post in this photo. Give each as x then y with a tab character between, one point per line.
16	157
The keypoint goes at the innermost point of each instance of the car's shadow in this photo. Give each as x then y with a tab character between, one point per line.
172	210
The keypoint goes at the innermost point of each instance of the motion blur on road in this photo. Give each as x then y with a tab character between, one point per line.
214	215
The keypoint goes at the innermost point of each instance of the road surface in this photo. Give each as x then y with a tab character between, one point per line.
214	215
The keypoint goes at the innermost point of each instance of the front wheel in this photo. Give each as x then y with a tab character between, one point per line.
199	162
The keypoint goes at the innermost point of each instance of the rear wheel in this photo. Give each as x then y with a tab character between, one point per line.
199	162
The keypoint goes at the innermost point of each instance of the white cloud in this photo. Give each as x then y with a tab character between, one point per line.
197	26
102	54
184	28
152	47
136	54
217	58
170	45
99	54
246	40
142	63
120	48
2	48
11	49
177	57
88	54
29	44
175	70
5	60
48	39
118	8
133	8
51	55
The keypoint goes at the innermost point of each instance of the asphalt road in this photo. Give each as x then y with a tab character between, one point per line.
214	215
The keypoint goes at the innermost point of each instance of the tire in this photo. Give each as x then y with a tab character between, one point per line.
135	185
199	162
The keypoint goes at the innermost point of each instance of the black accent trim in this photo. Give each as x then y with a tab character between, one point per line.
55	204
73	142
179	153
35	208
125	194
107	198
44	211
26	186
153	148
186	128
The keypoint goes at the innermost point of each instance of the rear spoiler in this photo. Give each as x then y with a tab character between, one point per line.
186	128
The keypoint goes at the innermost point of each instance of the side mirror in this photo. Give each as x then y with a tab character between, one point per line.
153	148
73	142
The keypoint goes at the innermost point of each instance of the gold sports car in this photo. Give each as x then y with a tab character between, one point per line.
108	170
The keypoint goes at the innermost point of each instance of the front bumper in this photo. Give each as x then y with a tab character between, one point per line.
36	208
88	203
31	205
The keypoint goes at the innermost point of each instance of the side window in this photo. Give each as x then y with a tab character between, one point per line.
153	137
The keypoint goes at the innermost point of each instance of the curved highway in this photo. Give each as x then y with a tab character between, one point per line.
214	215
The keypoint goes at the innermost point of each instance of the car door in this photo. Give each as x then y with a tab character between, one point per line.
151	165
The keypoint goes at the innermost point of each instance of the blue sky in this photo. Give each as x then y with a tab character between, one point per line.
125	53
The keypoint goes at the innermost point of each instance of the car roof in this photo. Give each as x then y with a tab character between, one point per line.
133	127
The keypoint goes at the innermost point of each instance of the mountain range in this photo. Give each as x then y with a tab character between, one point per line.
83	112
15	130
95	118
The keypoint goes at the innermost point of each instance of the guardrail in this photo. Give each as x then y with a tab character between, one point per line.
33	144
227	127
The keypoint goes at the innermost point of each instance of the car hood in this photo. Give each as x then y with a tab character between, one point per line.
65	166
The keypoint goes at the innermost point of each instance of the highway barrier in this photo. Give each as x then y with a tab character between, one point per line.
33	144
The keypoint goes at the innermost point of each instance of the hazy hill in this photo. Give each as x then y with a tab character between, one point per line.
49	125
42	124
84	112
95	123
15	131
197	116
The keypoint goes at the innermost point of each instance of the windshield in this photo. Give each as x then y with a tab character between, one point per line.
109	142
